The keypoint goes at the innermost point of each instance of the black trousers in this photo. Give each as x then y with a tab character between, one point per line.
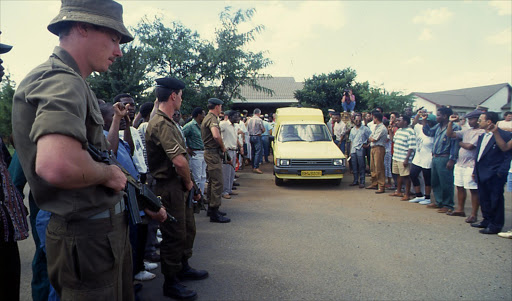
492	202
9	271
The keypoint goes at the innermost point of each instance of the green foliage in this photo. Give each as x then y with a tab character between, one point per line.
236	66
209	69
6	94
326	90
129	74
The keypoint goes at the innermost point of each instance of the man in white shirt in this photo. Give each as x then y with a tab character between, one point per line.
340	129
230	138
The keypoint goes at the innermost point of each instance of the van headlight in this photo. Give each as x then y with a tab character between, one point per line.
283	162
339	162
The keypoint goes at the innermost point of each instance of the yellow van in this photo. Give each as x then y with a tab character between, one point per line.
303	147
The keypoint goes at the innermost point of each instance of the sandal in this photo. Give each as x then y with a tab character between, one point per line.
471	219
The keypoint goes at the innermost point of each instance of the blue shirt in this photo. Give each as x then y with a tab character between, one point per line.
443	145
267	127
358	137
124	157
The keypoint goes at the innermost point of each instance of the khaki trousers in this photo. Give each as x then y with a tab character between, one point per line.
90	259
177	238
377	168
214	167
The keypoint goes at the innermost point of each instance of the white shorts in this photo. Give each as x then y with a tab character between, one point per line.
463	177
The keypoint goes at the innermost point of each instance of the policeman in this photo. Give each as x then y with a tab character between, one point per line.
168	164
213	149
55	117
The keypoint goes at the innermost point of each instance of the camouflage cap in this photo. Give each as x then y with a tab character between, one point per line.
106	13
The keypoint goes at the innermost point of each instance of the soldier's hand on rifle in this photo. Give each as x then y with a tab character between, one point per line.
197	197
160	216
116	179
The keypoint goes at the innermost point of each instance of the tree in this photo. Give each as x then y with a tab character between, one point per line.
128	74
326	90
209	69
237	67
6	94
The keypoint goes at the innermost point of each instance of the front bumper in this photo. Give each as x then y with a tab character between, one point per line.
289	172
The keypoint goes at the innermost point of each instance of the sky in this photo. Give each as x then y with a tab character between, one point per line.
407	46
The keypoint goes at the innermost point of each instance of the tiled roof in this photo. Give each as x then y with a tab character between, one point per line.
283	87
469	97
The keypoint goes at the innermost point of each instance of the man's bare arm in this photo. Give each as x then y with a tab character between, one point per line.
62	162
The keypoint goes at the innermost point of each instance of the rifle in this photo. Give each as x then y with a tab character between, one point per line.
135	190
191	203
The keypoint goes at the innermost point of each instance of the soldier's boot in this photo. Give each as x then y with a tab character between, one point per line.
174	289
189	273
209	212
215	217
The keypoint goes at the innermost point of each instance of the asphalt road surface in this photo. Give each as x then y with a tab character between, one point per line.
309	240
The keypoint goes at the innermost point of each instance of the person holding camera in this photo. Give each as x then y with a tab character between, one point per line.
348	101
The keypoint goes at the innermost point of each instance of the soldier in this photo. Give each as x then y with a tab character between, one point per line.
168	164
213	148
55	117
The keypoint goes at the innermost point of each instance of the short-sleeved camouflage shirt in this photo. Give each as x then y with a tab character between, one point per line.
209	122
55	99
163	143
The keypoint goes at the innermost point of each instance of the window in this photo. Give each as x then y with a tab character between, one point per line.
303	132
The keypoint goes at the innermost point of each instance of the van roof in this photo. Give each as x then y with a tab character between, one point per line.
299	114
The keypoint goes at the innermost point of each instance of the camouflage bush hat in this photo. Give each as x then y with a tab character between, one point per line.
106	13
4	48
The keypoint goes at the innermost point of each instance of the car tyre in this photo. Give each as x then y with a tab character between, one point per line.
279	182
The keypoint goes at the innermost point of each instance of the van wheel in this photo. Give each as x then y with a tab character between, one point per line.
279	182
336	182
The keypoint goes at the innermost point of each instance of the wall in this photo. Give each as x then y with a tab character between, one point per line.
498	100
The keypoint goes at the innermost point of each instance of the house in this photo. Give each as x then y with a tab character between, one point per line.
283	87
495	98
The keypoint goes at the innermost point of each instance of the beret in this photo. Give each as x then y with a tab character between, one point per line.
170	83
215	101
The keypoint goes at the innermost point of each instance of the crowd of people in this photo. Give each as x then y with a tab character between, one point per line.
84	160
414	155
90	165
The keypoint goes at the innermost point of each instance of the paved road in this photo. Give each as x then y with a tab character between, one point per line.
314	241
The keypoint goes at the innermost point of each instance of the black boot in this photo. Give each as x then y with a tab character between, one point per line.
209	212
216	217
176	290
189	273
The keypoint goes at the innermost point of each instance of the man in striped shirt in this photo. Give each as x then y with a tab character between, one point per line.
404	146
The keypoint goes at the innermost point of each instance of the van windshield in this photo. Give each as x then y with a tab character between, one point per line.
304	132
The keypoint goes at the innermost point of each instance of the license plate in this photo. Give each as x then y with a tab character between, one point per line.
311	173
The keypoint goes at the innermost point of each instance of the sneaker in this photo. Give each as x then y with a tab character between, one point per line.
144	276
226	196
507	234
148	266
417	199
158	233
425	202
